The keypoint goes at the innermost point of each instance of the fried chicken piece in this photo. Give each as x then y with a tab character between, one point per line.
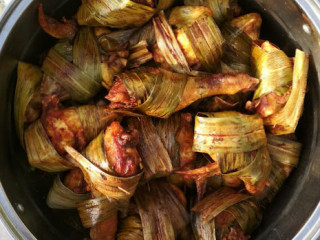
268	104
184	137
120	148
74	180
63	126
200	175
105	230
196	88
120	98
56	29
216	84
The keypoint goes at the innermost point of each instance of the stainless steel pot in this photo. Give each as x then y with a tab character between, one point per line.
295	212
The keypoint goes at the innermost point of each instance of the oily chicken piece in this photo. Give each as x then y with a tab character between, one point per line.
120	98
268	104
200	175
196	88
56	29
105	230
74	180
120	148
62	126
184	137
216	84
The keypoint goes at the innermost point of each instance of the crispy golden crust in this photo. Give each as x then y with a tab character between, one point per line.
63	127
120	148
120	98
268	104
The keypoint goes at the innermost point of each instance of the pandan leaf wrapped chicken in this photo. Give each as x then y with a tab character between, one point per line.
280	95
100	214
286	120
112	173
236	58
162	210
225	214
237	142
119	14
284	153
111	163
223	10
82	77
196	43
239	34
165	144
159	93
127	158
45	138
250	24
27	101
68	193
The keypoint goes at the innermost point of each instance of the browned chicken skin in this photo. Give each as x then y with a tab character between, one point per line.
74	180
184	137
105	230
196	88
63	126
121	151
119	97
56	29
268	104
